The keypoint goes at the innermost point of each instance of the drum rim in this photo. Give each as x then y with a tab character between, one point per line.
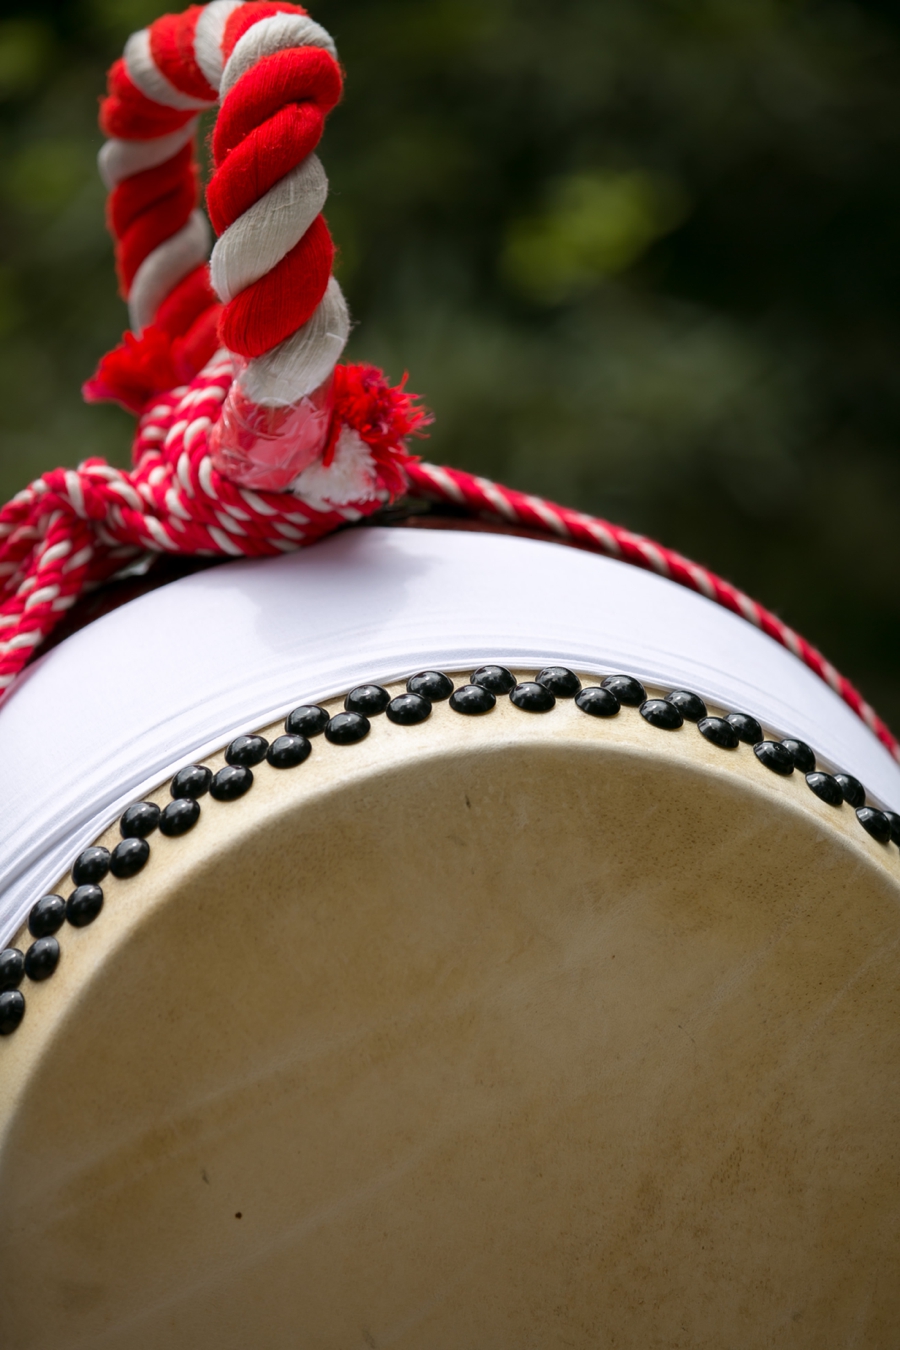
48	831
859	827
789	794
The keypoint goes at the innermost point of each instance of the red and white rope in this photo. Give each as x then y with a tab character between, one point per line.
72	529
489	500
274	72
278	307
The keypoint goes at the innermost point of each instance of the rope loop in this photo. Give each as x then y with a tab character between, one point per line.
267	293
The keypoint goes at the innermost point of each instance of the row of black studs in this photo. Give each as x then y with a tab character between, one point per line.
670	713
352	725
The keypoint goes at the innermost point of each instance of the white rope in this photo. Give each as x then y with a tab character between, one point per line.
146	75
165	267
303	361
208	38
278	33
120	159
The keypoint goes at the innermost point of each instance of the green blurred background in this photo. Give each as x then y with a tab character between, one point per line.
640	256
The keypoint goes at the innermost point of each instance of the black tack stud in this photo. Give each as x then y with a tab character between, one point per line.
139	820
12	1010
90	866
719	732
12	968
42	958
307	720
347	728
179	816
430	684
497	679
659	713
800	753
892	819
825	788
129	857
47	916
533	697
559	680
597	702
191	781
230	783
748	729
627	690
367	699
691	706
875	823
408	709
775	756
286	752
472	699
246	751
852	789
83	905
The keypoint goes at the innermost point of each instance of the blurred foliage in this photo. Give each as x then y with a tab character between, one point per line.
596	225
638	255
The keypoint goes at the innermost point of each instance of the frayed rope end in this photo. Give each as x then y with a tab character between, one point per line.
385	416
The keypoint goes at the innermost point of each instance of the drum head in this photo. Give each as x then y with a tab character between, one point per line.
504	1031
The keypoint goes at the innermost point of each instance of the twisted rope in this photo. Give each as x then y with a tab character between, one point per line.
282	317
275	74
71	529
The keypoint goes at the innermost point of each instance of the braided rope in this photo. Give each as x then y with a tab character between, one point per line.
479	496
71	529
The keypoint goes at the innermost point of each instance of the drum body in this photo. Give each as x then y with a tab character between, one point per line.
507	1029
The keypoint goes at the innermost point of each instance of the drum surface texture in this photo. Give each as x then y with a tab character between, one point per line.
427	1042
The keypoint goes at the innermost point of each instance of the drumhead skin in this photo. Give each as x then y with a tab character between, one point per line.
505	1030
